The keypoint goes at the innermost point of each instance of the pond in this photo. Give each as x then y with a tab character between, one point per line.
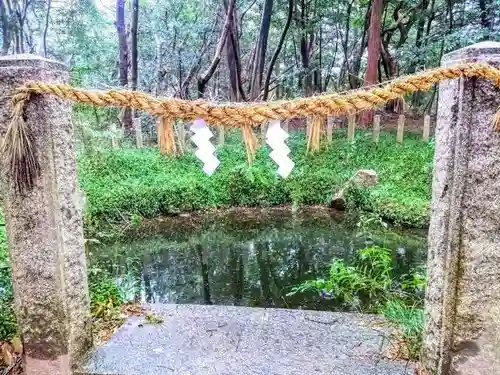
245	256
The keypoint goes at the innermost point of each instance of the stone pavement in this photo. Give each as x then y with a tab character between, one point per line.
206	340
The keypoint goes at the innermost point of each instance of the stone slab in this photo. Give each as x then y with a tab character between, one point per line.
204	340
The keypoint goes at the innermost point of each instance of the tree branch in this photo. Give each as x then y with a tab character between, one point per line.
205	77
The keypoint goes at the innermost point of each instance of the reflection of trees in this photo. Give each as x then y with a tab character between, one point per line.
262	260
257	263
147	285
203	256
236	272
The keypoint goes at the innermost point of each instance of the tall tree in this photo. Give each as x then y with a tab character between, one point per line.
374	44
278	49
487	17
6	37
46	28
233	55
123	59
260	51
204	78
133	44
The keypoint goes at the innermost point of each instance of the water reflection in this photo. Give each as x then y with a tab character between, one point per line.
245	258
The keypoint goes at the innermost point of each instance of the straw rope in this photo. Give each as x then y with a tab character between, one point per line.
19	145
235	115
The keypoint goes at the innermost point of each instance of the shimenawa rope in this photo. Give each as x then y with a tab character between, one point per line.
20	149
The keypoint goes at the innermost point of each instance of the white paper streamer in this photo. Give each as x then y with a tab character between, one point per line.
275	138
205	152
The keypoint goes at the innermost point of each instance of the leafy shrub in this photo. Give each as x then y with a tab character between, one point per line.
369	285
360	286
104	293
123	183
7	318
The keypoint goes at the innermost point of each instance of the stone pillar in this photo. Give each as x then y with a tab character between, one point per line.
45	228
462	333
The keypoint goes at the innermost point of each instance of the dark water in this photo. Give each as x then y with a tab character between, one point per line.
250	258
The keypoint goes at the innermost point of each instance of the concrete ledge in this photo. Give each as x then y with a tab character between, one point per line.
204	340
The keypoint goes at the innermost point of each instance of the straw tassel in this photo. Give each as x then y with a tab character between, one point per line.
496	120
250	142
166	136
314	133
19	148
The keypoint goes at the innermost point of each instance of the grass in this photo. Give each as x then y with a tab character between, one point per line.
409	323
126	183
369	284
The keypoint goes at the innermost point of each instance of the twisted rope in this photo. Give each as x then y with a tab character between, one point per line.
20	149
254	114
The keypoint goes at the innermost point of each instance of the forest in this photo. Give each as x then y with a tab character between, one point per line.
245	50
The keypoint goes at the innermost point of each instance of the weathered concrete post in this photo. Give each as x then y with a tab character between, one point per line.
45	230
462	334
138	132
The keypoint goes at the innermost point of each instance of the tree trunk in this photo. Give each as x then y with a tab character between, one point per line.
6	29
353	70
374	43
278	49
123	60
487	16
260	51
419	60
233	58
306	40
133	32
158	75
204	78
46	29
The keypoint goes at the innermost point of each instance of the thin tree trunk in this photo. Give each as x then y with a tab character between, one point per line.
278	49
233	59
123	60
6	28
260	50
158	76
46	29
487	16
353	71
133	31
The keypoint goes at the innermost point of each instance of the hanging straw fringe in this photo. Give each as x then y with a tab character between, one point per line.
166	136
19	148
250	142
314	133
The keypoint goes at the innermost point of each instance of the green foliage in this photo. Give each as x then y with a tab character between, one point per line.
409	320
361	286
7	318
104	292
369	285
123	183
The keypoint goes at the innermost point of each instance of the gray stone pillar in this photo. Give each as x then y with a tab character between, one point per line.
462	333
45	230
